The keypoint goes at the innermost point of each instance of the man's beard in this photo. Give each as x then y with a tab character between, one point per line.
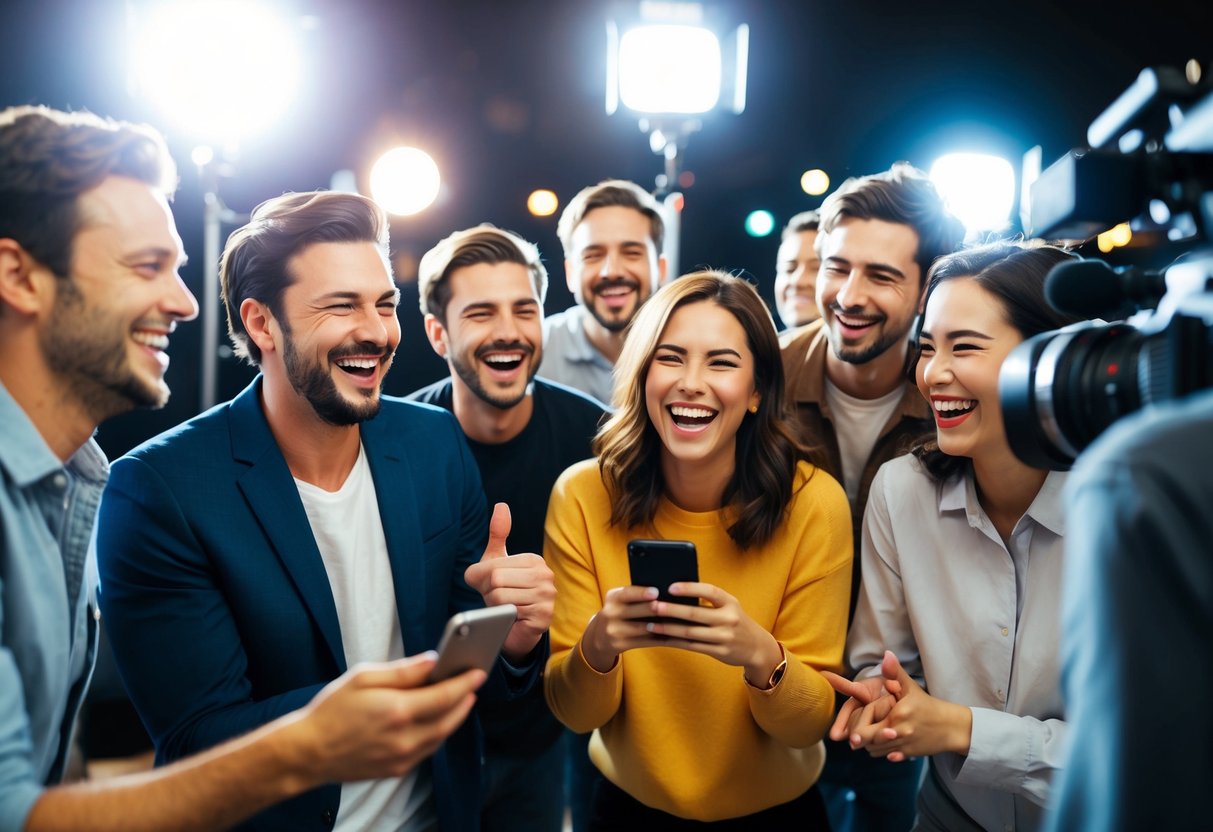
311	381
88	349
612	324
467	372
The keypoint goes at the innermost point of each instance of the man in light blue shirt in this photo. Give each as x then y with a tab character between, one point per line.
612	235
89	295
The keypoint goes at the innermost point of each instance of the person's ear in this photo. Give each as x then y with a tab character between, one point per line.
436	333
260	325
25	285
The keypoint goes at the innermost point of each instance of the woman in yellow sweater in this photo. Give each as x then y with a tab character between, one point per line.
719	715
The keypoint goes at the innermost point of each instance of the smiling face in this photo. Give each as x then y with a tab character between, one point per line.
869	287
493	335
109	328
699	387
613	266
339	329
796	268
965	338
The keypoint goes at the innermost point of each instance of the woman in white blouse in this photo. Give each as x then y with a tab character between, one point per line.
962	556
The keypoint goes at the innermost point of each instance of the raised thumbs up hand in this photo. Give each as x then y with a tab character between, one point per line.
523	580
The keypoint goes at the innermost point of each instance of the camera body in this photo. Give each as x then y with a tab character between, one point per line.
1060	390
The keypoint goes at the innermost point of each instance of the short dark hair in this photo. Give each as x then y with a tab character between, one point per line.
804	221
1012	272
902	194
612	192
254	262
48	158
483	244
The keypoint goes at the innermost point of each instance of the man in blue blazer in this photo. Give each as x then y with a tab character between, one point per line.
251	554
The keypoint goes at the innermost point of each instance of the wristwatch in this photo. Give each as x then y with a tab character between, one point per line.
776	674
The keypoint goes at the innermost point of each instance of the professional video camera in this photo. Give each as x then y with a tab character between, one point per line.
1150	163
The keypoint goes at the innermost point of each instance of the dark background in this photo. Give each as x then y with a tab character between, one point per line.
508	97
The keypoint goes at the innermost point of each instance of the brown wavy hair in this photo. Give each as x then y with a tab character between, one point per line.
629	449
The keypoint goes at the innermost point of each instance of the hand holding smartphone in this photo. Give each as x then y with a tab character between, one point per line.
472	639
660	563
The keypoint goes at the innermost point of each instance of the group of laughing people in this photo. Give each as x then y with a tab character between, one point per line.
878	578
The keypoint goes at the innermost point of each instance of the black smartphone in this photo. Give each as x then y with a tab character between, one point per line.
472	639
660	563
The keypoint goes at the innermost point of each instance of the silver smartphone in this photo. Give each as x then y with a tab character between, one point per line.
472	639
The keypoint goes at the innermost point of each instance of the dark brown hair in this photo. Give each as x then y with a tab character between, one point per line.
482	244
49	158
254	262
629	449
904	195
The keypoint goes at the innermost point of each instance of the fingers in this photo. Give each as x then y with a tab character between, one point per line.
409	672
499	531
856	690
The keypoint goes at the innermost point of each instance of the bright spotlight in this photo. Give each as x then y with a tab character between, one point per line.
542	203
760	223
669	69
815	182
220	69
979	189
405	181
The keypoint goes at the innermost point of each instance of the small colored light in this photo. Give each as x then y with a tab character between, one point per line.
760	223
815	182
542	203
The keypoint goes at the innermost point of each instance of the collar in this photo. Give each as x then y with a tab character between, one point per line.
959	493
805	350
27	458
578	348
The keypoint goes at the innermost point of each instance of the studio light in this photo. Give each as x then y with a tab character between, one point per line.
978	188
405	181
219	71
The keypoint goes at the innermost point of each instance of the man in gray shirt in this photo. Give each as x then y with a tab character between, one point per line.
612	235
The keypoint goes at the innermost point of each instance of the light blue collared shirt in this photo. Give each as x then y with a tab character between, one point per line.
570	359
47	631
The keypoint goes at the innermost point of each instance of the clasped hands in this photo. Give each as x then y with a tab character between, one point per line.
892	716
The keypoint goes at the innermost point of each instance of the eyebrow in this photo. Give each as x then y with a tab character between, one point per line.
884	268
711	353
160	253
959	333
392	294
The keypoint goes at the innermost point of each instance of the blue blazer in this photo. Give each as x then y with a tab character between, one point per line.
216	600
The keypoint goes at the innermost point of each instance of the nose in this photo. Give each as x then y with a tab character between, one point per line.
610	265
936	368
691	381
374	327
505	328
179	302
851	293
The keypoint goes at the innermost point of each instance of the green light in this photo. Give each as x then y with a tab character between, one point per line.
760	223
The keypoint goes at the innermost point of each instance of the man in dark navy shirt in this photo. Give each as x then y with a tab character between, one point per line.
481	292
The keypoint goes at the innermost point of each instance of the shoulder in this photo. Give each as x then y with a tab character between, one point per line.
815	490
580	480
903	484
438	393
567	400
797	342
398	416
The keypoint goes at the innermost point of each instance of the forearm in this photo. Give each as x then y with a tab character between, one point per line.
212	790
798	710
580	696
1017	754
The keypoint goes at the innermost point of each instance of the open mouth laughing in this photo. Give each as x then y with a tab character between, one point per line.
855	326
691	417
950	412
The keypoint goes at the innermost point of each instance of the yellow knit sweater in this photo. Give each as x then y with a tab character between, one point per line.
679	731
